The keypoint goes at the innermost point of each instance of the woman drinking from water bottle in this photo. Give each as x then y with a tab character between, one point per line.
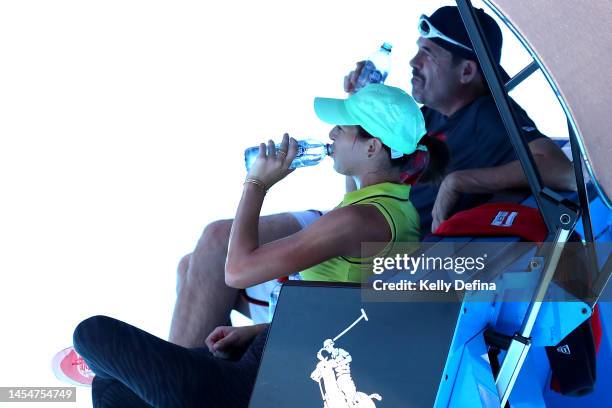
377	132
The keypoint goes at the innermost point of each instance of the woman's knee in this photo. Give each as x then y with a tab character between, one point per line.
88	333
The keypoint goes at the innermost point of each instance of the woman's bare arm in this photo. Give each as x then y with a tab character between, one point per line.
338	233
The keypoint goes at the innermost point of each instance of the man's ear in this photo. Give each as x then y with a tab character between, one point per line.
469	71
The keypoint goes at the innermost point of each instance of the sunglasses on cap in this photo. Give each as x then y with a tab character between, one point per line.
427	30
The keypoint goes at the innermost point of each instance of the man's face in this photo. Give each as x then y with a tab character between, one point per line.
434	78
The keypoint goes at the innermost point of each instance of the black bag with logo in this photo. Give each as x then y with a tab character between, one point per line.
572	362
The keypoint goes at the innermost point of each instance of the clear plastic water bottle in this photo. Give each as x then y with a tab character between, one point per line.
376	68
276	291
310	152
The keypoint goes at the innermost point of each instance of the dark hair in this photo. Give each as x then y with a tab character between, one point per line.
457	59
437	157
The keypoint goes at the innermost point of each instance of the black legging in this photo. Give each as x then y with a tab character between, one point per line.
136	369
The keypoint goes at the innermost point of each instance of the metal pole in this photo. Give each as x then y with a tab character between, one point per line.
521	342
580	184
592	271
493	79
521	76
545	279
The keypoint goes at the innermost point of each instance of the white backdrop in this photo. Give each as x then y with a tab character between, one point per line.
122	127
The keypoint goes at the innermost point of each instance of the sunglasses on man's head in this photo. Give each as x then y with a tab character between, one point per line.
427	30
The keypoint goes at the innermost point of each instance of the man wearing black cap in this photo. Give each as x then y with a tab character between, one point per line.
457	108
460	110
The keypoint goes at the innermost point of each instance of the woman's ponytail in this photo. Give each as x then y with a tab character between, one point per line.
438	160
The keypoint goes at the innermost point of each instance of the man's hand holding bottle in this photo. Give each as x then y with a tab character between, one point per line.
350	80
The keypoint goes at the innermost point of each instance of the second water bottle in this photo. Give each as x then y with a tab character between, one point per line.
376	68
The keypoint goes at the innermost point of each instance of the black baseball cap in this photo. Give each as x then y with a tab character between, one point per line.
447	20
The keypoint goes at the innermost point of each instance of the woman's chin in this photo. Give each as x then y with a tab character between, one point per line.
338	169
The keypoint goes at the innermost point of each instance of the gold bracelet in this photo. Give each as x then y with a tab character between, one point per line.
258	183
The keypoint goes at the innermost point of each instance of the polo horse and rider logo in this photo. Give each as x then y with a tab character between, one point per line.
333	373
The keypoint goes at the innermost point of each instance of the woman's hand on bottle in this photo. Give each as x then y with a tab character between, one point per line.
271	166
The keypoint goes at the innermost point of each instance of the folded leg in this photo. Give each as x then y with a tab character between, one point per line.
160	373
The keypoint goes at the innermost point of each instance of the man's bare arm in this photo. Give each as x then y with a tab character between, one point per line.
556	171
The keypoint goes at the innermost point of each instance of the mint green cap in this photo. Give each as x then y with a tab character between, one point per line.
385	112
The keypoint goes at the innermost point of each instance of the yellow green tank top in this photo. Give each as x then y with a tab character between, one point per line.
392	201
